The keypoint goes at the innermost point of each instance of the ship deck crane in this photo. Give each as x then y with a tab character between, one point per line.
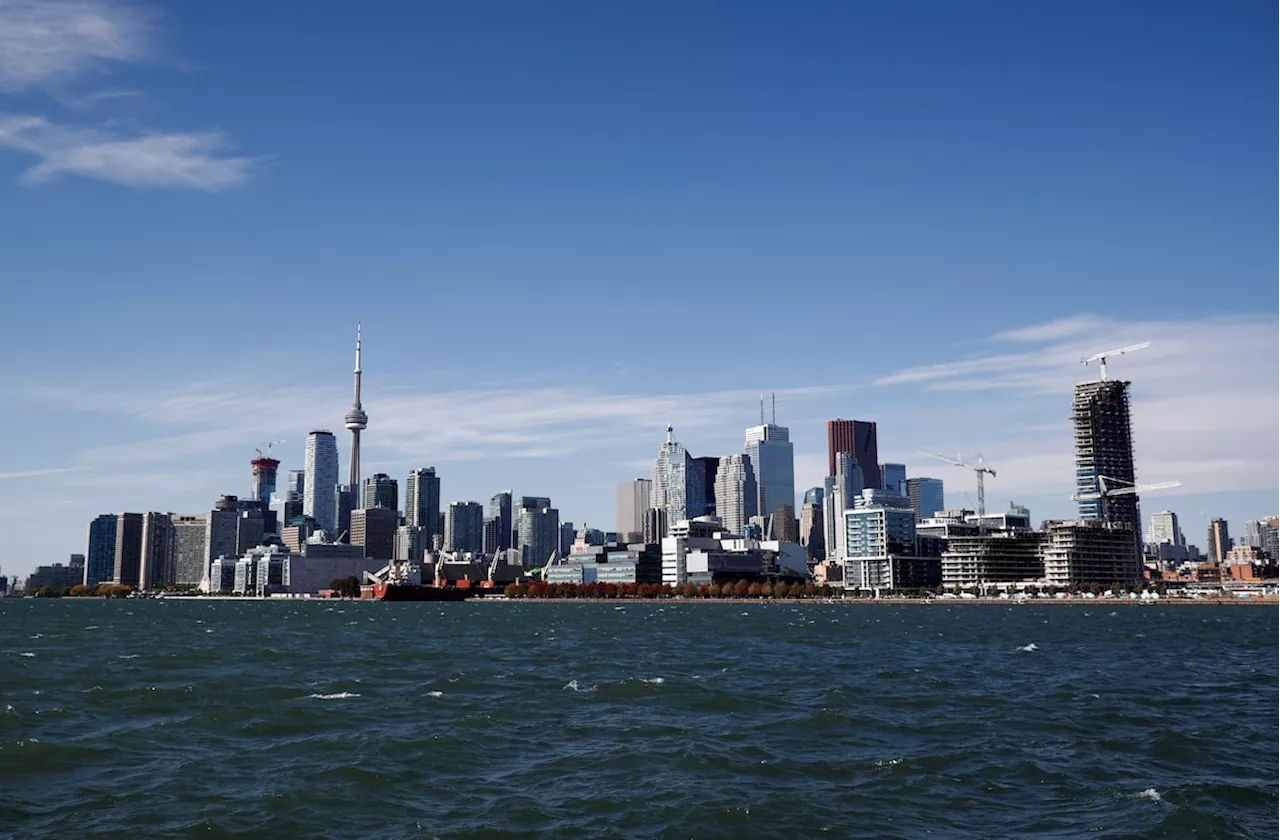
1101	358
979	468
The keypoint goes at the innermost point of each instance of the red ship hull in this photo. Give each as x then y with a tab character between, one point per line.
410	592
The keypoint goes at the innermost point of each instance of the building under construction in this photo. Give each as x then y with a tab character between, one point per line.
1090	551
1104	448
992	558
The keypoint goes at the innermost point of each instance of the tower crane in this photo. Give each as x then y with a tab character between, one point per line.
979	468
1106	489
267	446
1101	358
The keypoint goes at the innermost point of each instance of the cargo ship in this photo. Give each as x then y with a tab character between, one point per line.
402	581
413	592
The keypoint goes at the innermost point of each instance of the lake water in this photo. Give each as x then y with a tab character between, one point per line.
207	718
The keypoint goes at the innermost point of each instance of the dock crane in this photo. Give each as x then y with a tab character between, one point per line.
1107	488
979	468
1101	358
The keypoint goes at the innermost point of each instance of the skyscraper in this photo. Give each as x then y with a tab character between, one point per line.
345	502
375	530
295	491
321	478
157	562
497	526
356	421
100	556
813	529
464	527
735	492
1219	540
189	535
264	487
1104	447
850	481
633	500
676	488
381	491
893	477
703	474
926	495
422	500
128	555
1164	529
768	448
538	525
859	438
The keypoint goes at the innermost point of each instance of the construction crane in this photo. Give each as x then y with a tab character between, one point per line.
979	468
1101	358
1105	491
267	446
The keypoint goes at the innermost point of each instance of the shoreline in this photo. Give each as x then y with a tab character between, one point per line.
1264	601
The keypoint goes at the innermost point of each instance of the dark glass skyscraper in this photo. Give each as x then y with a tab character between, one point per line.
100	557
857	437
381	491
497	527
422	500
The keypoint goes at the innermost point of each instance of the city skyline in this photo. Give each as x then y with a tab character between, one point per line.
618	169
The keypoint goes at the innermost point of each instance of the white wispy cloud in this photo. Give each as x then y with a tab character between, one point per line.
52	44
193	161
46	42
1206	408
411	427
39	472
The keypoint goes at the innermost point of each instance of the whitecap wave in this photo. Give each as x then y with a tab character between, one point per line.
653	680
127	656
92	627
1029	648
341	695
891	762
1150	793
435	693
573	685
27	654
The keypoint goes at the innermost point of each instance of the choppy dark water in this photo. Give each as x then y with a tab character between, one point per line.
579	720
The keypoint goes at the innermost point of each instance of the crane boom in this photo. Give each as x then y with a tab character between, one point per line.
979	468
1101	358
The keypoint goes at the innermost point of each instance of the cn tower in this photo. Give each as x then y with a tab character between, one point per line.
356	421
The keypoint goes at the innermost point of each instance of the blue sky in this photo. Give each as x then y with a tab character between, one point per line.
565	225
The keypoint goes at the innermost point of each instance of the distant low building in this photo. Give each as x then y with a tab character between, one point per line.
609	563
56	576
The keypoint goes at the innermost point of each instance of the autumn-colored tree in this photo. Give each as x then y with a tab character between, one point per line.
80	589
740	589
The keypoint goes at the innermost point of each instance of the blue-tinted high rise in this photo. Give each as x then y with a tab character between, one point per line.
768	448
926	496
100	557
893	477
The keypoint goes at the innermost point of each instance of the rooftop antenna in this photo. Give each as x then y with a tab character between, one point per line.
1101	358
762	408
773	402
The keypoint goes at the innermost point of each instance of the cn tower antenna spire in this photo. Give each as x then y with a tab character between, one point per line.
356	421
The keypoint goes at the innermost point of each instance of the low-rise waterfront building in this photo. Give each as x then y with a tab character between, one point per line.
1085	551
975	560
